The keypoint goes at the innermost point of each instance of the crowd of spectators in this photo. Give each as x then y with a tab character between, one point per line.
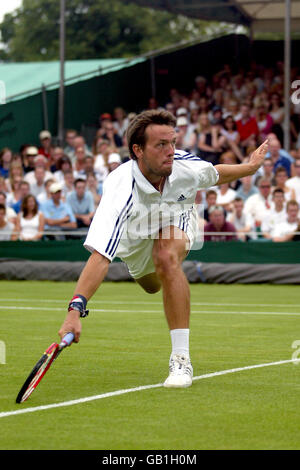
48	189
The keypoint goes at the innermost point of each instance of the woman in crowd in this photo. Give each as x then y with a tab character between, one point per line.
30	221
15	170
264	121
209	141
64	165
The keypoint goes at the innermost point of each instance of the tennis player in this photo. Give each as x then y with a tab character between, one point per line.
147	218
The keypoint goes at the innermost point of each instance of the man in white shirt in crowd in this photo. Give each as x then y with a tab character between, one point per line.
274	216
294	182
39	161
244	223
285	231
257	204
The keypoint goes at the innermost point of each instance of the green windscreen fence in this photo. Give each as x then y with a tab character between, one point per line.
212	252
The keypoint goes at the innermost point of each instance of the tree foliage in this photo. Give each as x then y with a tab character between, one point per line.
94	29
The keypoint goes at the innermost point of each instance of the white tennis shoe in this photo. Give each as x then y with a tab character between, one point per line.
181	372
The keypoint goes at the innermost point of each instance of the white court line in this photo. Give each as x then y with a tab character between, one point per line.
137	302
103	310
136	389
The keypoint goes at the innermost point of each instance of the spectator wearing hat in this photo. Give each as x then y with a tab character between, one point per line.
46	144
184	139
114	160
29	155
82	204
58	215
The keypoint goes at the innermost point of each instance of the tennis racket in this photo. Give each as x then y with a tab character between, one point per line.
42	366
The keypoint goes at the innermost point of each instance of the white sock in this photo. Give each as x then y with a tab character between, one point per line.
180	341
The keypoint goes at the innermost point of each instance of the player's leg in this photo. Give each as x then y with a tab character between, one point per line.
169	251
150	283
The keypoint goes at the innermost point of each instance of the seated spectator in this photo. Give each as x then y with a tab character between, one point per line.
94	187
24	190
67	184
120	121
294	182
218	224
278	156
229	131
15	170
39	161
82	203
184	139
58	215
112	136
78	141
38	187
29	156
247	127
275	215
79	164
30	221
101	161
285	231
264	122
225	196
64	164
257	204
281	178
5	159
14	194
276	111
209	142
45	195
243	223
11	215
46	145
266	170
114	160
6	228
211	200
3	186
69	138
57	154
247	188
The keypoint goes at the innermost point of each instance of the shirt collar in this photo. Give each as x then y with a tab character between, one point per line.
143	183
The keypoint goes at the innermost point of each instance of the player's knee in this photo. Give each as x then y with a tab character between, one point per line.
165	261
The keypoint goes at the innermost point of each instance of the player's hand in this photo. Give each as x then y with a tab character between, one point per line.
258	156
72	324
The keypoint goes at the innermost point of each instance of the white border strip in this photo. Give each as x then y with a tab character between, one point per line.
136	389
217	312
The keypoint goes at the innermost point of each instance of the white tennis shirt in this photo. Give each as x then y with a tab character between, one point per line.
131	209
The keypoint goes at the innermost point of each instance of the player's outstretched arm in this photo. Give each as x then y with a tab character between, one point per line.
90	279
228	173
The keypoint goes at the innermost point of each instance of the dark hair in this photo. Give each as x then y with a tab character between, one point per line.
62	160
136	132
79	180
277	190
2	207
229	117
24	207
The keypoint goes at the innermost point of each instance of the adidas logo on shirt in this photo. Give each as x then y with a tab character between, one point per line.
181	198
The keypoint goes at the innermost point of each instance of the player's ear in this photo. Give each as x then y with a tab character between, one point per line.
138	151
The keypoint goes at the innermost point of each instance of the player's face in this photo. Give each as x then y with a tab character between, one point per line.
156	158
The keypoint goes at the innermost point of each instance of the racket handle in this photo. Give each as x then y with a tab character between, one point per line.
67	340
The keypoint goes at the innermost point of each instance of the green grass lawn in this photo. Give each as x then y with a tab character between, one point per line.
125	344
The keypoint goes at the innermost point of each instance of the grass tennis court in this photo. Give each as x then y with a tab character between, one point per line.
125	344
